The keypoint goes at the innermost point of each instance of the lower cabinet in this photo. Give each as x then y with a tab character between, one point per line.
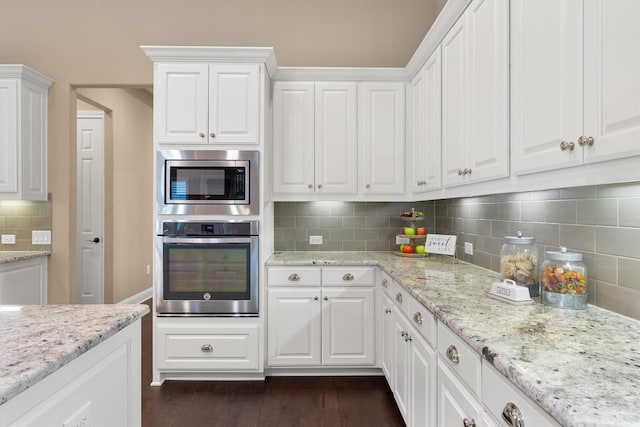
456	405
24	281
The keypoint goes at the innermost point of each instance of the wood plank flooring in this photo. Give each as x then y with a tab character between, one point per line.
278	401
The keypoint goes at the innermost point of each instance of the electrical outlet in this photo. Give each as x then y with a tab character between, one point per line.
41	237
148	269
315	240
8	239
468	248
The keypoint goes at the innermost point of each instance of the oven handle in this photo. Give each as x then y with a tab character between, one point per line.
209	240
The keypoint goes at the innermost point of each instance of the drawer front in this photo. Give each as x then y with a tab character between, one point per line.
423	320
385	282
401	297
216	348
293	276
498	394
459	357
348	276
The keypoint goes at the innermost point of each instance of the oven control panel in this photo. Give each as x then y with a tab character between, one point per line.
219	228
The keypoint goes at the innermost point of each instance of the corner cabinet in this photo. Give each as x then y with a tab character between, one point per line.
475	95
575	96
23	133
199	103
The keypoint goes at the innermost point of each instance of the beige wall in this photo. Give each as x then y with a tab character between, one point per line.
83	43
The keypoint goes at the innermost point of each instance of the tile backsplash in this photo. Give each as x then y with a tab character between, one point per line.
601	222
20	218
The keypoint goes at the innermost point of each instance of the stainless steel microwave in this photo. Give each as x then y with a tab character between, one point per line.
193	182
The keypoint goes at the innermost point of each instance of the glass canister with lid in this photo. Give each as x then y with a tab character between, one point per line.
519	262
564	280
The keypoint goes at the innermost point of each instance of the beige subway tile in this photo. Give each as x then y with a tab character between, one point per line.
499	228
560	211
284	245
629	272
631	189
353	221
611	297
488	211
546	234
587	192
630	212
341	234
618	241
354	245
330	222
484	227
377	245
307	222
578	237
525	227
377	222
598	211
511	211
601	267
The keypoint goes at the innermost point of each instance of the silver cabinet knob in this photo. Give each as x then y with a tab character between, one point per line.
385	283
201	135
467	171
207	348
452	354
399	297
212	135
403	333
387	310
512	415
590	141
319	185
348	277
316	298
310	186
469	422
586	140
326	298
460	172
368	186
564	146
407	338
417	318
294	277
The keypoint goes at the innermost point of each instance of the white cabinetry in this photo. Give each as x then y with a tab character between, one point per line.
475	66
23	133
24	282
456	405
199	103
574	82
382	137
328	322
315	138
427	125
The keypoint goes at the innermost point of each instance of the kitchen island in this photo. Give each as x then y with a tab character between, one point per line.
74	364
581	367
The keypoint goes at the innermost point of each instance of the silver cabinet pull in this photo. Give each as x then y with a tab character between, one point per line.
348	277
512	415
452	354
201	135
385	283
564	146
207	348
403	333
294	277
469	422
399	297
212	135
417	318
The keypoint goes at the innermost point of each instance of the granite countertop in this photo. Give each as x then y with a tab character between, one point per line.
11	256
582	367
40	339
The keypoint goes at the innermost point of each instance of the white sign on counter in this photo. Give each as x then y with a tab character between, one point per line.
440	244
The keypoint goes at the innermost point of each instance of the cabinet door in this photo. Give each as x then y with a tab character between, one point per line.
402	368
336	138
546	83
293	121
382	123
454	104
294	327
234	103
387	324
180	105
455	404
612	79
419	129
432	161
488	90
422	405
24	282
348	326
8	136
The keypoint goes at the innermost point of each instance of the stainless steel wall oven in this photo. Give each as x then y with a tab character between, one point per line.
208	268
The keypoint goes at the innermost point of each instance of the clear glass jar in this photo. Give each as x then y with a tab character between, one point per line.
563	279
519	262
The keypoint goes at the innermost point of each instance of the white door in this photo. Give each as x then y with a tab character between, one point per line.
336	151
293	134
90	211
234	103
612	79
546	83
382	122
348	326
181	103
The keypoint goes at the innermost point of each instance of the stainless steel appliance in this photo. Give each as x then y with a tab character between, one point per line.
208	268
213	182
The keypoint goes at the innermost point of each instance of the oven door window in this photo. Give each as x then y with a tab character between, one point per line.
189	183
221	270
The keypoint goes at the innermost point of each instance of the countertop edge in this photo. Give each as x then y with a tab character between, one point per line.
13	256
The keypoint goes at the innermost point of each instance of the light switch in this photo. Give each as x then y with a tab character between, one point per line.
41	237
315	240
8	239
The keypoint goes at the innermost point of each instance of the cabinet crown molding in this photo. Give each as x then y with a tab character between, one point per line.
359	74
24	72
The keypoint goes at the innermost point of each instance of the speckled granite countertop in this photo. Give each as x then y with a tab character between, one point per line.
11	256
582	367
40	339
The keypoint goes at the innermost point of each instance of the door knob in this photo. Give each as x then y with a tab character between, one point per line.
94	240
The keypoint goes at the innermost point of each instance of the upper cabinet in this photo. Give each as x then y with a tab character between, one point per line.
200	103
475	103
574	82
23	133
382	137
427	125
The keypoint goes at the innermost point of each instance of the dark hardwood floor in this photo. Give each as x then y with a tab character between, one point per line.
277	401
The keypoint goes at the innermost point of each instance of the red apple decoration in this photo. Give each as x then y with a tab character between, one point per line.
421	231
407	249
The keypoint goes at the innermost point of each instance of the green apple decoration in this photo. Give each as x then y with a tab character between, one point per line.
409	231
420	249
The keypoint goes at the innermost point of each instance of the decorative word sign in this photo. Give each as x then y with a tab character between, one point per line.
440	244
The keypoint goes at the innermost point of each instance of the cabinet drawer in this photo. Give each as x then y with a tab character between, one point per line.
294	276
219	348
498	392
402	297
348	276
385	282
459	357
423	320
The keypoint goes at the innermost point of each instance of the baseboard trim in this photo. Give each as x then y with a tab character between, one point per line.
139	297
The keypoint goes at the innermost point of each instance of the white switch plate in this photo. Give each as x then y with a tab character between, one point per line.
41	237
468	248
8	239
402	240
315	240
